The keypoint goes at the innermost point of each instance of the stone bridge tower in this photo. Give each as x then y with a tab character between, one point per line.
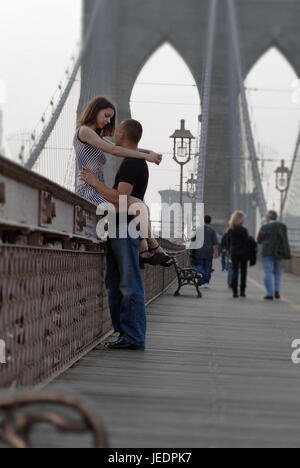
129	31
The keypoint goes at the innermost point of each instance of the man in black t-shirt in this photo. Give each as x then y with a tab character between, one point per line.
123	278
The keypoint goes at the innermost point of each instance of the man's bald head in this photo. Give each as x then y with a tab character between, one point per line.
133	130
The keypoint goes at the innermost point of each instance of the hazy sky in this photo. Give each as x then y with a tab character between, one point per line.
37	38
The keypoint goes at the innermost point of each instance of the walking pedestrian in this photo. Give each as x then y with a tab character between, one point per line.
202	259
275	247
238	239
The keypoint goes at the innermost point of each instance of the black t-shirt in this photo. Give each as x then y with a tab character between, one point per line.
134	172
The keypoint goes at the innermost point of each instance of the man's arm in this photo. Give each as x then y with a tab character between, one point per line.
111	195
127	180
216	244
261	237
216	249
125	189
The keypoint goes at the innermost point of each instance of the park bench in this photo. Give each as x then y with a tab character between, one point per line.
187	277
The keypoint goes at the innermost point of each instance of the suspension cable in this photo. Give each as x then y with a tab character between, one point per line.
293	169
39	146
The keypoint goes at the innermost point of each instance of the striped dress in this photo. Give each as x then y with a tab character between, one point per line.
94	159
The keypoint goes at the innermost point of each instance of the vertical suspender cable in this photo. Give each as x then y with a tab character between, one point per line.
293	170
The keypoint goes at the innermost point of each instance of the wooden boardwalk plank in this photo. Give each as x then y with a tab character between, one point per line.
217	373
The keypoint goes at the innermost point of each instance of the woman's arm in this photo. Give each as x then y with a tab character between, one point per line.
144	151
88	135
140	150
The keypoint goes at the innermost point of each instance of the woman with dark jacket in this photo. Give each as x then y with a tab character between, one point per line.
238	239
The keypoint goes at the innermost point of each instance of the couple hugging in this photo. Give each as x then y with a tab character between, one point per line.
124	255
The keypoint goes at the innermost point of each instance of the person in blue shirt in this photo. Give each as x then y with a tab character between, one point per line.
202	259
275	247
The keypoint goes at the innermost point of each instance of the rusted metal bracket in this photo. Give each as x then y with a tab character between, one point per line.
80	220
2	192
47	208
35	239
68	244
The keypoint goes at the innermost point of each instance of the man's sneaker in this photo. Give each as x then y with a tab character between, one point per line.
126	346
269	298
206	286
277	295
243	294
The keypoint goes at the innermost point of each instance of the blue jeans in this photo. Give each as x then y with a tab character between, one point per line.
272	267
224	260
204	267
126	292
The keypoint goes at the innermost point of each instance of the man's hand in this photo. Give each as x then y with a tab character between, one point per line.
154	158
216	249
89	177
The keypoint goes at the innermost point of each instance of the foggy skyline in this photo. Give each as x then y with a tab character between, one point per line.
37	39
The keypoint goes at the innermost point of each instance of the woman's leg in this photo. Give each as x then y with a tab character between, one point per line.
244	271
146	228
149	245
235	274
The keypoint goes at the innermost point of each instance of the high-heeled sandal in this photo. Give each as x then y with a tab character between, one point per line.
166	260
147	261
155	260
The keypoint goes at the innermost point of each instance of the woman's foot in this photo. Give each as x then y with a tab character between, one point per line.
156	256
167	260
146	254
150	252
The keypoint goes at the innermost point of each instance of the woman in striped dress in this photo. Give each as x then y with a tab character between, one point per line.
97	122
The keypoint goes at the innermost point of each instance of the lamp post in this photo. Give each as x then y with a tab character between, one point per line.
182	155
191	190
282	183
